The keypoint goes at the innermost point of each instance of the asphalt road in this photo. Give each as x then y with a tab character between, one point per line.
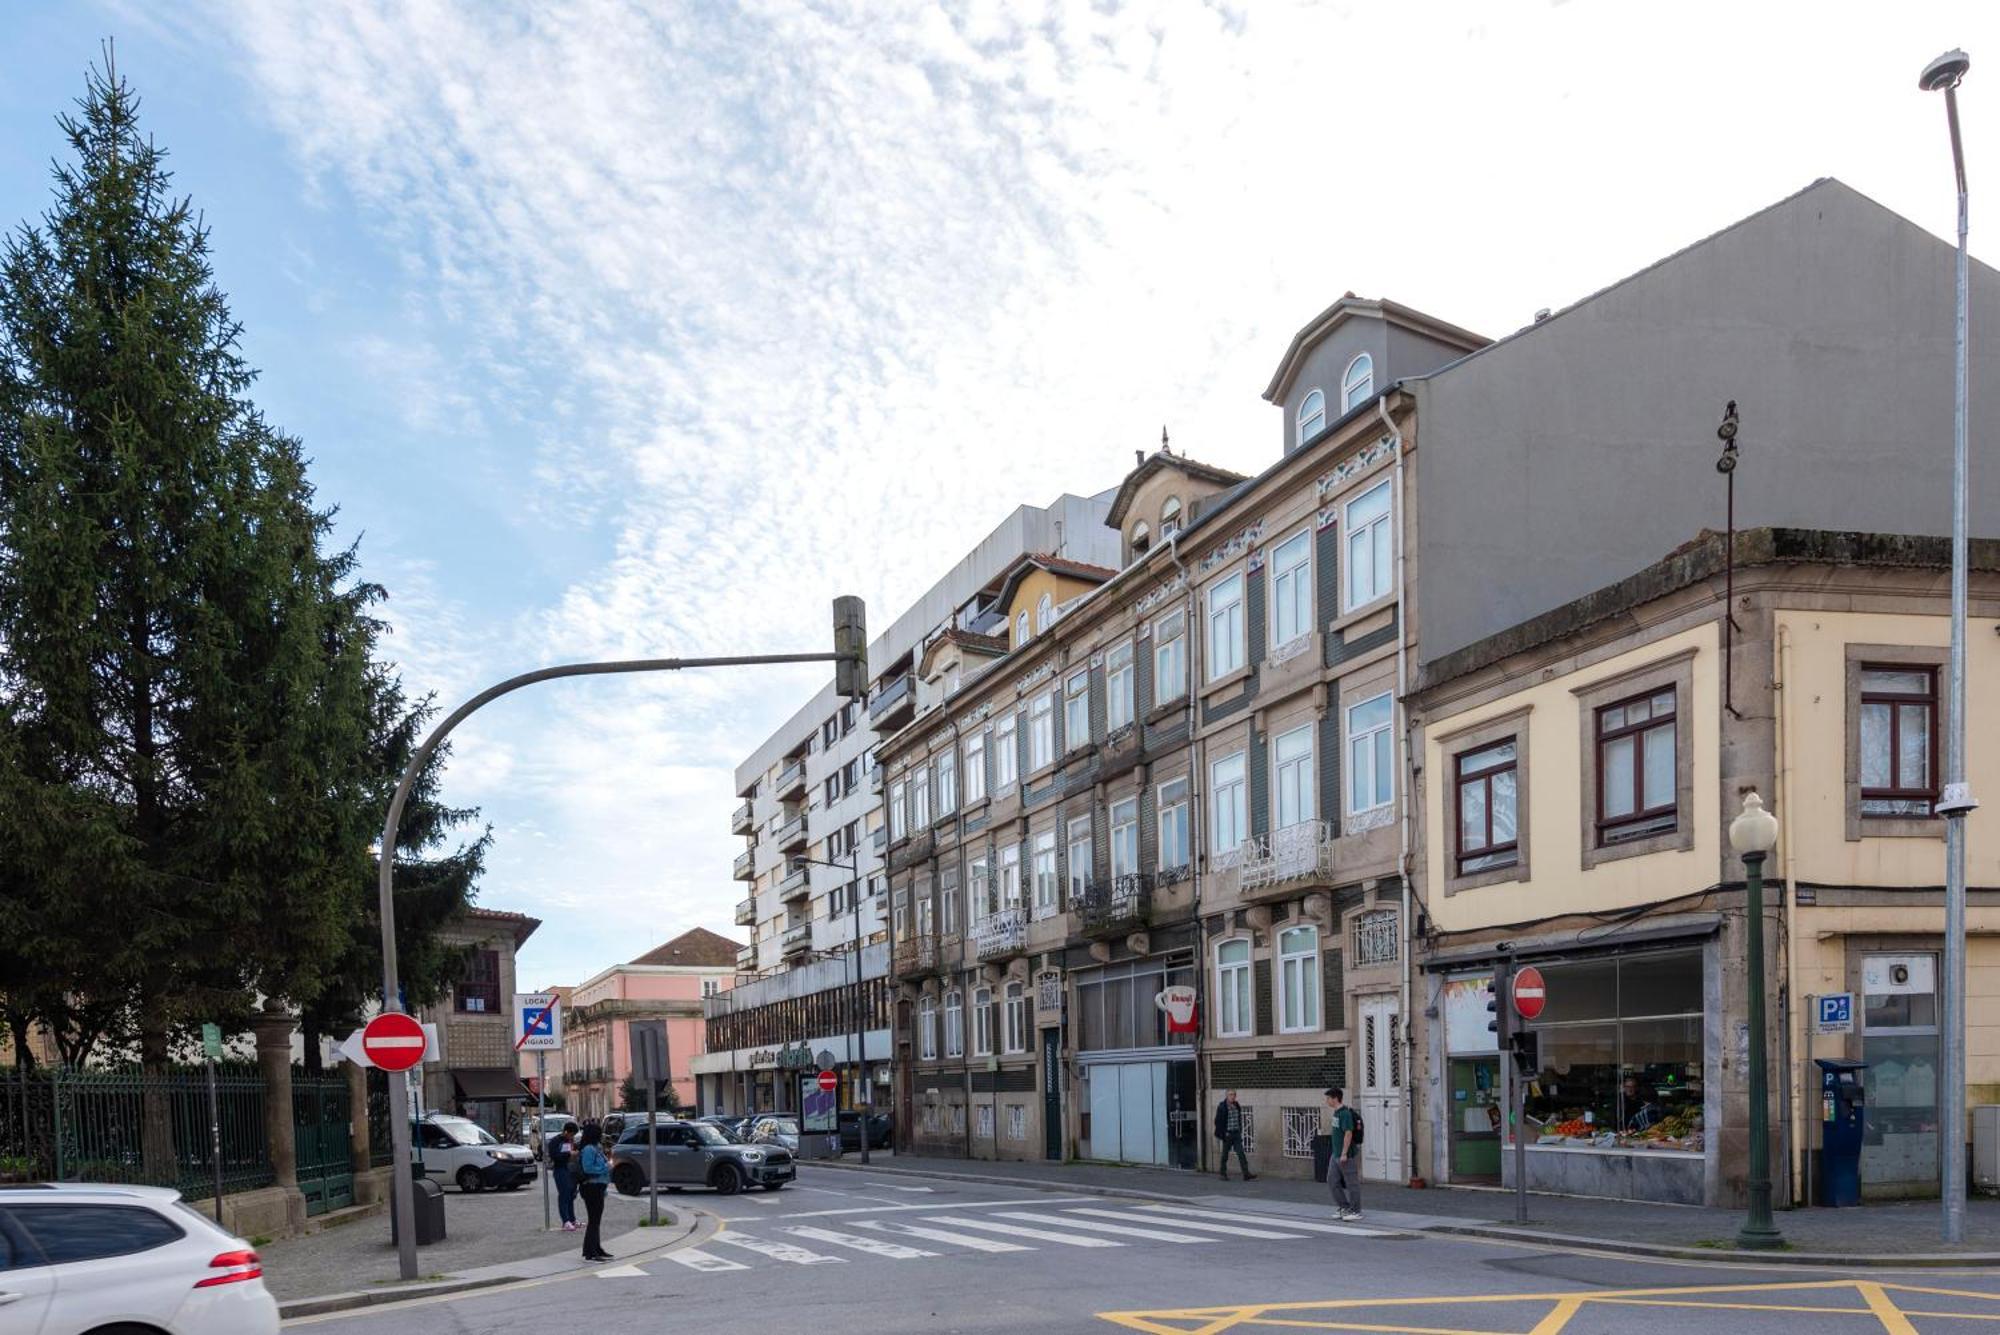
850	1251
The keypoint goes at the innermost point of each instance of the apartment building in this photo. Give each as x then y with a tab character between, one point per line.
662	991
812	815
1585	766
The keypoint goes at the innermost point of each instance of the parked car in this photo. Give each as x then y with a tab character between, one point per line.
81	1257
697	1154
880	1131
460	1151
737	1128
769	1130
537	1129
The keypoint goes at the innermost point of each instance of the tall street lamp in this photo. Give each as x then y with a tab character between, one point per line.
1943	75
1753	834
856	1010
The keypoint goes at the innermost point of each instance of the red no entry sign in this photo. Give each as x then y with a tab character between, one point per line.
1530	993
393	1041
828	1081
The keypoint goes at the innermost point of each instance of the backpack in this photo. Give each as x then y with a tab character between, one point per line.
1360	1129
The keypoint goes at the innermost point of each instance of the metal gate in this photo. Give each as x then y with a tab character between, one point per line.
320	1133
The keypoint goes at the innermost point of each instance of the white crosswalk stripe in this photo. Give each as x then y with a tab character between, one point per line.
1016	1231
1181	1221
895	1251
694	1258
1123	1230
965	1240
1267	1221
777	1251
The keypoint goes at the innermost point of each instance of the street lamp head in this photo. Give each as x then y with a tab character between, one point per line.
1944	72
1755	830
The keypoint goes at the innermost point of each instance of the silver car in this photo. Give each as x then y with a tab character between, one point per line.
696	1154
774	1131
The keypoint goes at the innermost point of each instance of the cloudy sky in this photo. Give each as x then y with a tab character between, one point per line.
623	329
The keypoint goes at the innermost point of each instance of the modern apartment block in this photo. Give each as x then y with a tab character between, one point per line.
1203	772
811	813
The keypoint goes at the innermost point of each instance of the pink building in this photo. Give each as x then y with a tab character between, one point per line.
663	990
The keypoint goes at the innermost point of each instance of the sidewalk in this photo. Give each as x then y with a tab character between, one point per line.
1905	1231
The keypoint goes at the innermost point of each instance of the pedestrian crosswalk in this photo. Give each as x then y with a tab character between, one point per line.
992	1228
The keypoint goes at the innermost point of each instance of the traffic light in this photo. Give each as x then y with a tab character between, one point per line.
850	641
1500	1005
1526	1052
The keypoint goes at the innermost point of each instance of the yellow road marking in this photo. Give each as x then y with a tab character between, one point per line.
1891	1316
1351	1325
1732	1307
1955	1316
1558	1317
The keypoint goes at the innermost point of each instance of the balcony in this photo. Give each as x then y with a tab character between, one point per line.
746	912
746	960
1001	934
911	851
792	835
744	868
880	838
797	940
894	705
1120	904
915	957
874	778
792	780
796	885
743	821
1286	861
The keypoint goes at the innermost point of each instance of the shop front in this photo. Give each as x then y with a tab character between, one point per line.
1137	1099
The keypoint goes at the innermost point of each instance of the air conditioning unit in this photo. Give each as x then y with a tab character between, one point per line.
1986	1147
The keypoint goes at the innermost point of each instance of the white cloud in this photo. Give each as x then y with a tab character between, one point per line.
823	290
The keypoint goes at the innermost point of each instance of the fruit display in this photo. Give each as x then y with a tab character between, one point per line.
1575	1126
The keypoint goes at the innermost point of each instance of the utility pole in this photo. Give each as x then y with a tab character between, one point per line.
848	614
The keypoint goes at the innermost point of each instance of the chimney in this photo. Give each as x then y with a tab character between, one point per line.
1138	457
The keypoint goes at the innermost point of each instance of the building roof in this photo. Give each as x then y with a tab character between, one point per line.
522	925
1055	565
1351	307
697	948
1159	461
992	646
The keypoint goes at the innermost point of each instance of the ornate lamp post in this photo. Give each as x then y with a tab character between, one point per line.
1753	835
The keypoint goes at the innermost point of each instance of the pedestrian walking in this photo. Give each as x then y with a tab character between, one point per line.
1229	1130
562	1169
596	1171
1343	1174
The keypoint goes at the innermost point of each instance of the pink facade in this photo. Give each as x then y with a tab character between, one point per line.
606	1011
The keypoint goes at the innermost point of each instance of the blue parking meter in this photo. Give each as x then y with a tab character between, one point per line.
1843	1118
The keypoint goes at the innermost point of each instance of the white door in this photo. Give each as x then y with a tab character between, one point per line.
1379	1089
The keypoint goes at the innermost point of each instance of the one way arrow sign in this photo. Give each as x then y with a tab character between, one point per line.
350	1047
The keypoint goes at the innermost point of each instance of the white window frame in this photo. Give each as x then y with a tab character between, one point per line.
1229	802
1170	657
927	1047
1292	778
982	1126
1235	1006
975	768
1171	809
979	872
1076	710
1124	837
1010	876
1014	1029
1118	686
1017	1122
1371	737
1047	891
1006	752
920	800
1021	628
1312	415
947	782
1378	535
898	817
954	1023
948	907
1170	516
1080	868
1226	649
1298	980
1042	732
1357	389
1291	588
982	1022
927	913
1045	613
901	913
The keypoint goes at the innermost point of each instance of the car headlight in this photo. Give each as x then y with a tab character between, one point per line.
498	1154
752	1156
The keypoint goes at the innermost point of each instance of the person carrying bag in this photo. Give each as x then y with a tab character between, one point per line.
596	1182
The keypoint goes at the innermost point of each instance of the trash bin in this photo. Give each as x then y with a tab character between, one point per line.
1322	1156
428	1200
1843	1120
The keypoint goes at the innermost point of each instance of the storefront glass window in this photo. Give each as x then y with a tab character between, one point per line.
1900	1044
1114	1007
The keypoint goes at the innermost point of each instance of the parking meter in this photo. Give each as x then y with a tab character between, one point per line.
1843	1120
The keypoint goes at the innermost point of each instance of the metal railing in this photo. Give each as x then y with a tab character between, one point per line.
746	959
797	937
1296	853
792	776
791	834
1116	902
797	882
913	956
742	820
746	911
1002	933
744	868
894	694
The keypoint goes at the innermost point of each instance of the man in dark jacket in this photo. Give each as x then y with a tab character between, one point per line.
1229	1130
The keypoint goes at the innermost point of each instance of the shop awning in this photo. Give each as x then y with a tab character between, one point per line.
483	1086
1592	938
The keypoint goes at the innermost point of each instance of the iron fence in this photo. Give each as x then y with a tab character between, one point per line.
122	1125
381	1150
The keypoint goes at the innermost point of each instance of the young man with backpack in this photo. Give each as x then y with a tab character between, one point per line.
1343	1173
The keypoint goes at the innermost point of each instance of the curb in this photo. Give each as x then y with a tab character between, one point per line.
349	1302
1501	1233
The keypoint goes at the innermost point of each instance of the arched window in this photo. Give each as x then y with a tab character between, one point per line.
1020	630
982	1022
1142	538
1358	385
1312	416
1298	980
1170	517
1045	613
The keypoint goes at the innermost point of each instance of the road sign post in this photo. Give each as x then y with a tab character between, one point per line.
538	1029
1531	994
393	1041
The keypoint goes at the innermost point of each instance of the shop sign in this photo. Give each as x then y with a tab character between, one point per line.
1178	1002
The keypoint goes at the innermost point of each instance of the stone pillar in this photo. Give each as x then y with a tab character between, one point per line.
357	1117
274	1062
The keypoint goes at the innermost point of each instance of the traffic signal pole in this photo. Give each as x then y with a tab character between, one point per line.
850	658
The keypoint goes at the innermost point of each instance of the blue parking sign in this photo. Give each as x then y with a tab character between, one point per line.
537	1022
1836	1013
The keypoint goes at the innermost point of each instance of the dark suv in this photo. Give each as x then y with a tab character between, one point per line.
697	1154
879	1128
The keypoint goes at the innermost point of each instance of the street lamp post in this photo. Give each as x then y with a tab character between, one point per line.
1753	834
856	1010
1943	75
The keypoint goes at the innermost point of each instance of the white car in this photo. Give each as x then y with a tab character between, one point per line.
460	1151
77	1257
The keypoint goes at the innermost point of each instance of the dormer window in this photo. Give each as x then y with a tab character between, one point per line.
1142	538
1170	517
1045	613
1020	630
1358	385
1312	416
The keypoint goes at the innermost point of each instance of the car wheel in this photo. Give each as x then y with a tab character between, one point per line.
727	1179
628	1179
469	1180
774	1186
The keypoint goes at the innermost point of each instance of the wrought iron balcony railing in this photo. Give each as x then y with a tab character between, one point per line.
1118	903
1000	934
1284	858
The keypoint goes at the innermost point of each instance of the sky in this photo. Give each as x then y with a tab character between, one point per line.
631	330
